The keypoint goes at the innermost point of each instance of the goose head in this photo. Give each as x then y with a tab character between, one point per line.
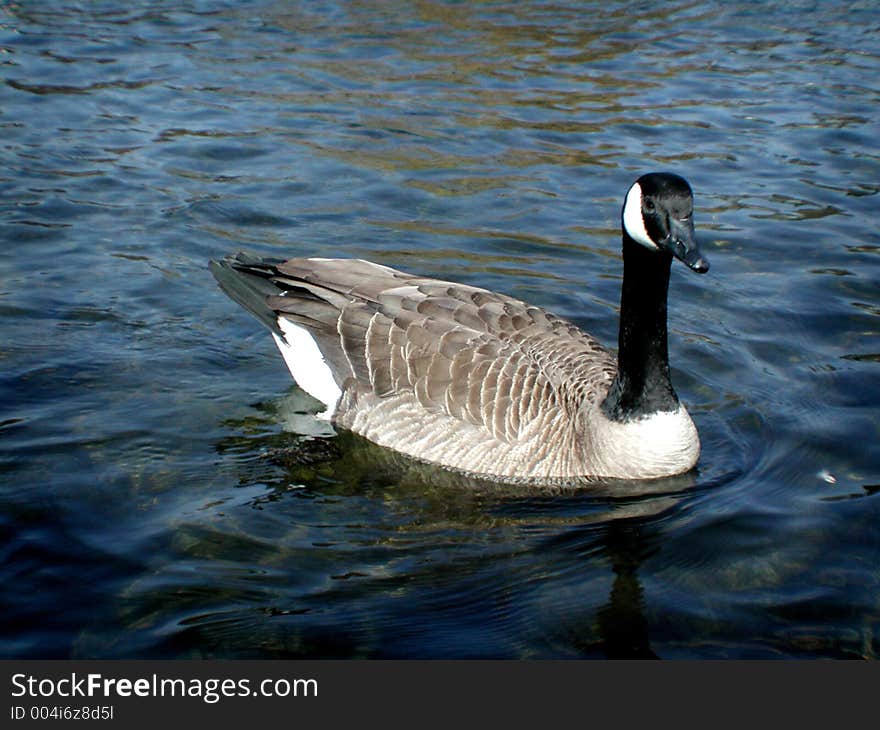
658	213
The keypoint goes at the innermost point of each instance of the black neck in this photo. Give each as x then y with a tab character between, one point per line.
642	385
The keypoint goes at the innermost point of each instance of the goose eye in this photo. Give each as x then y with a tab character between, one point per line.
649	206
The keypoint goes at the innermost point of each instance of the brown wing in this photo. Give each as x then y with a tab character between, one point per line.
481	357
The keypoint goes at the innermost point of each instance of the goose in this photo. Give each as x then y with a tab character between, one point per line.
480	382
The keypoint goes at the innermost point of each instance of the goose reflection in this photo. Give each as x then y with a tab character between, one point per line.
621	621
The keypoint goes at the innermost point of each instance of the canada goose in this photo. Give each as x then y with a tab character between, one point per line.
478	381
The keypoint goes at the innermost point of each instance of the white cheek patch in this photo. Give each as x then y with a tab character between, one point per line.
307	365
633	221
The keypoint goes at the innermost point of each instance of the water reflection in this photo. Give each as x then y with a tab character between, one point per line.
622	627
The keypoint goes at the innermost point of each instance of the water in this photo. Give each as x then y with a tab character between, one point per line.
165	489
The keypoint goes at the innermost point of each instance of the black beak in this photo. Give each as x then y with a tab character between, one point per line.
682	243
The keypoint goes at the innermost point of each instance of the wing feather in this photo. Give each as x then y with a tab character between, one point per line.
477	356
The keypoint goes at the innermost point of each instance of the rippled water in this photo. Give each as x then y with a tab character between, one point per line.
164	488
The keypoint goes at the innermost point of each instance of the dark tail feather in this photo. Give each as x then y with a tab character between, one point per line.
246	280
257	285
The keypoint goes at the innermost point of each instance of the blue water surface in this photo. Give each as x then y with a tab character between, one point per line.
165	490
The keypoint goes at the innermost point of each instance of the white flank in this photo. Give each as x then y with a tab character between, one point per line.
307	365
632	217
